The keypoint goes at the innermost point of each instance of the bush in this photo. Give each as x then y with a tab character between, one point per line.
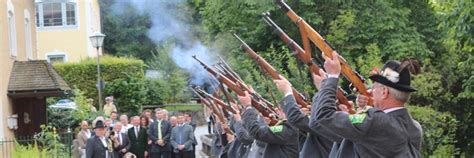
83	75
29	151
156	90
439	130
130	93
68	118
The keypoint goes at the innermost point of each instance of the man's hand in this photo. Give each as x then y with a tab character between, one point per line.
237	117
230	137
362	100
332	64
245	100
180	147
123	150
146	153
343	108
267	120
225	126
317	79
161	142
235	106
283	85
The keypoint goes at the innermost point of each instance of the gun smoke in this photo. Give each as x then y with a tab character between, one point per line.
168	23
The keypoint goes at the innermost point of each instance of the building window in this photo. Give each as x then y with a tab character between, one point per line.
60	58
56	14
12	34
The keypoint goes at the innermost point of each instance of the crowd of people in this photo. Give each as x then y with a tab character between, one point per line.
326	128
144	136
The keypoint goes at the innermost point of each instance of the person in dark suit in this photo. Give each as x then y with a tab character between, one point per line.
138	138
387	129
98	146
189	121
160	132
182	138
120	141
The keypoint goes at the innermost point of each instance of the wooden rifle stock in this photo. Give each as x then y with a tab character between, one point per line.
270	70
225	69
213	108
326	48
266	111
218	101
306	58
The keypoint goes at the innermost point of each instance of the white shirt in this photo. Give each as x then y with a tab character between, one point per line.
88	133
136	130
389	110
104	142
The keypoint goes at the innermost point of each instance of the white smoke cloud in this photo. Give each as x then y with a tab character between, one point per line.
167	17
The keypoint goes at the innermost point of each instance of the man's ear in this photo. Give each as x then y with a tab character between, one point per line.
385	92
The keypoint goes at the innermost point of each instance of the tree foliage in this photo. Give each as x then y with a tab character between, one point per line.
366	33
126	31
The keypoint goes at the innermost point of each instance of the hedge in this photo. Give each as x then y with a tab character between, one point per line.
439	130
83	75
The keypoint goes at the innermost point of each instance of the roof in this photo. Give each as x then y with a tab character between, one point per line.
35	76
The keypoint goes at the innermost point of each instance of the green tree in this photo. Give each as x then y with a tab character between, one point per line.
172	80
367	34
129	94
126	31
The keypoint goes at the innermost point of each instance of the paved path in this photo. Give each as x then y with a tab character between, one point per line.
200	130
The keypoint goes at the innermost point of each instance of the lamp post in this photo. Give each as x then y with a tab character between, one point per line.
97	39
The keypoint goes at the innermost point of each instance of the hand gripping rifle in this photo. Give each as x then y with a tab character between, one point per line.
225	69
211	106
219	102
305	57
239	90
325	47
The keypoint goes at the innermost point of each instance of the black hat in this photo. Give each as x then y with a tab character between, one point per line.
99	124
397	75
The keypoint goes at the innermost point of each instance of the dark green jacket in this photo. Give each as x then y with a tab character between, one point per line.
373	133
282	140
138	145
315	145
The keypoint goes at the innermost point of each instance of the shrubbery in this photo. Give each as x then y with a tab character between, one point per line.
115	71
439	130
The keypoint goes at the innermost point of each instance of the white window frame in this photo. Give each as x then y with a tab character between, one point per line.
39	9
28	38
47	55
12	43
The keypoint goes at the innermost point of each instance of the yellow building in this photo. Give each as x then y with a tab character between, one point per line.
64	27
17	43
33	32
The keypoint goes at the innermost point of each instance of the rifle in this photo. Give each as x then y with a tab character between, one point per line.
326	48
219	102
225	69
239	90
213	108
305	57
270	70
229	98
228	68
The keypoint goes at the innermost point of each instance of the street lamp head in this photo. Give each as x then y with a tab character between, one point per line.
97	39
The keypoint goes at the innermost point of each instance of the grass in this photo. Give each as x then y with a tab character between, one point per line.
183	107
